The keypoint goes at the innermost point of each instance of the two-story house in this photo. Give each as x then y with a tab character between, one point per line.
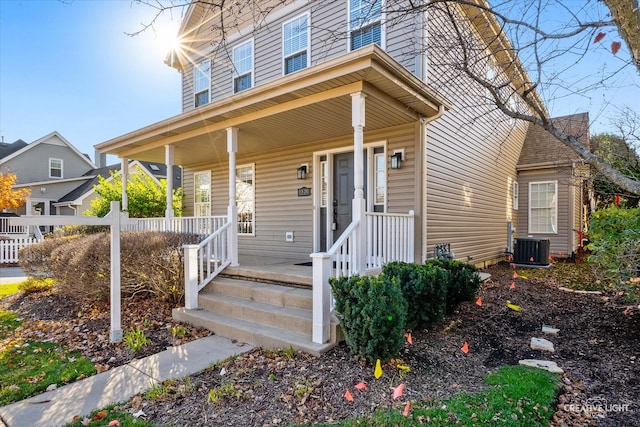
340	129
50	166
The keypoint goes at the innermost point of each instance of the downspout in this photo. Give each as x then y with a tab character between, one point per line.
424	121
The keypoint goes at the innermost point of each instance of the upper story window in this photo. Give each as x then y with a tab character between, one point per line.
243	66
295	44
543	207
365	23
55	168
201	83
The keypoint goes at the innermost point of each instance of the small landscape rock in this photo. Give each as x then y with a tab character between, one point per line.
547	365
52	387
550	330
542	344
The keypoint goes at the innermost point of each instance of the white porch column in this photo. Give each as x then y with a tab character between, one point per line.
358	204
168	160
232	210
124	172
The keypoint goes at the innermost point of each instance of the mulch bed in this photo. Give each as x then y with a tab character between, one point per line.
598	346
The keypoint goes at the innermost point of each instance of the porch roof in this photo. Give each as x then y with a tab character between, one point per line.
313	104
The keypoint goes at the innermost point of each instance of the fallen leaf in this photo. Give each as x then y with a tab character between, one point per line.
479	302
114	423
465	348
513	306
361	386
100	415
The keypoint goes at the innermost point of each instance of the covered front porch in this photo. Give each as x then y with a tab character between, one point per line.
245	149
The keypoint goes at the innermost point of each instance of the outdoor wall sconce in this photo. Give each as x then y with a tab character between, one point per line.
302	172
396	160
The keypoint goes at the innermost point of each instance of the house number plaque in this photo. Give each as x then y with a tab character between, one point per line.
304	191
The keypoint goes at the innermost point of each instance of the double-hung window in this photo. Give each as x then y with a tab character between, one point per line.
201	82
543	207
295	44
243	66
55	168
202	193
365	23
246	198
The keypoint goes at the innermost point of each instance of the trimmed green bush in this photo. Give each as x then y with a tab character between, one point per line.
425	289
372	313
463	281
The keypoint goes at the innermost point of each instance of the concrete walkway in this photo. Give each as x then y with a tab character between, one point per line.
10	275
58	407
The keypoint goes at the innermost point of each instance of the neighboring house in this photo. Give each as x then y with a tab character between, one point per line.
338	130
552	181
78	201
50	166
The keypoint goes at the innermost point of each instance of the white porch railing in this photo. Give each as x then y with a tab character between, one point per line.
390	237
6	229
205	261
194	225
9	248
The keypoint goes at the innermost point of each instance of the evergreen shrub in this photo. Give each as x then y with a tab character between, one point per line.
372	314
463	281
425	289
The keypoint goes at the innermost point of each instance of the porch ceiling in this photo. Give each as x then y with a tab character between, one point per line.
310	105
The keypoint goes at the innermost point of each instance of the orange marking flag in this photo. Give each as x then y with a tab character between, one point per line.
407	407
513	285
409	338
361	386
465	348
348	396
397	392
378	371
479	302
515	275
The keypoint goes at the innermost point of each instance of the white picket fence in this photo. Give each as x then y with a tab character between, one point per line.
9	248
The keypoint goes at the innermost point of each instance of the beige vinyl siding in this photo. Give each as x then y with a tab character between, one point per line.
471	157
278	208
560	242
329	39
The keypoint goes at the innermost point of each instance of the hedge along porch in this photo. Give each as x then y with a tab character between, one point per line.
307	118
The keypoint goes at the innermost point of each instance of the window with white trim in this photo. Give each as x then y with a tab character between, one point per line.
490	77
201	83
243	66
245	198
543	207
516	196
55	168
295	44
380	179
365	23
324	183
202	193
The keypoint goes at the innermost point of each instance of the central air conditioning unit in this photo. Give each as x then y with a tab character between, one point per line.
531	251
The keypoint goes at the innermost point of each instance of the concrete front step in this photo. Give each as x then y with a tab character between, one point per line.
265	336
262	314
295	319
282	296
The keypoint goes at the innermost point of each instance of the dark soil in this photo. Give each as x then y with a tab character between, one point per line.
598	346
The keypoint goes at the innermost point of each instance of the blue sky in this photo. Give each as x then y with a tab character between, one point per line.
69	66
